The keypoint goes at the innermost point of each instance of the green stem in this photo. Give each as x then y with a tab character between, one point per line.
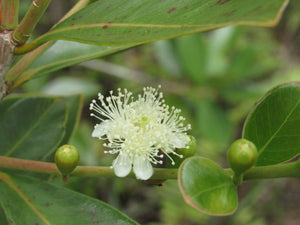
30	20
238	179
98	171
29	165
276	171
86	171
10	14
263	172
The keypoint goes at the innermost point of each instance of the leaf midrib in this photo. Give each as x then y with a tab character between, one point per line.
211	189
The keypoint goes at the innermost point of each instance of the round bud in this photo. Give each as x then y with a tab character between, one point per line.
242	155
66	159
190	149
184	153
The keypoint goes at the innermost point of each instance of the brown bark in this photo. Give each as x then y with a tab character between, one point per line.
6	53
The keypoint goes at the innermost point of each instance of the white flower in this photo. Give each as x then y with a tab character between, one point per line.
139	131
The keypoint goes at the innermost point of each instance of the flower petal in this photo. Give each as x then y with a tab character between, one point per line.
179	140
142	168
122	165
100	129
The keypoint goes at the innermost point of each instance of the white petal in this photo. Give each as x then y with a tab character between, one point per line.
179	140
142	168
122	165
100	129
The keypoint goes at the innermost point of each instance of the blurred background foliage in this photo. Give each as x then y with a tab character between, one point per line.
214	77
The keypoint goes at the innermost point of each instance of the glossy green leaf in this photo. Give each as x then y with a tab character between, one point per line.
205	186
45	204
118	22
66	53
273	125
32	126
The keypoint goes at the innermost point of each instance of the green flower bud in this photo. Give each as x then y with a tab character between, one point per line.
66	159
190	149
242	155
184	153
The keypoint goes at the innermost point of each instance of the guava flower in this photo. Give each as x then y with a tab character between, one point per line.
141	131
